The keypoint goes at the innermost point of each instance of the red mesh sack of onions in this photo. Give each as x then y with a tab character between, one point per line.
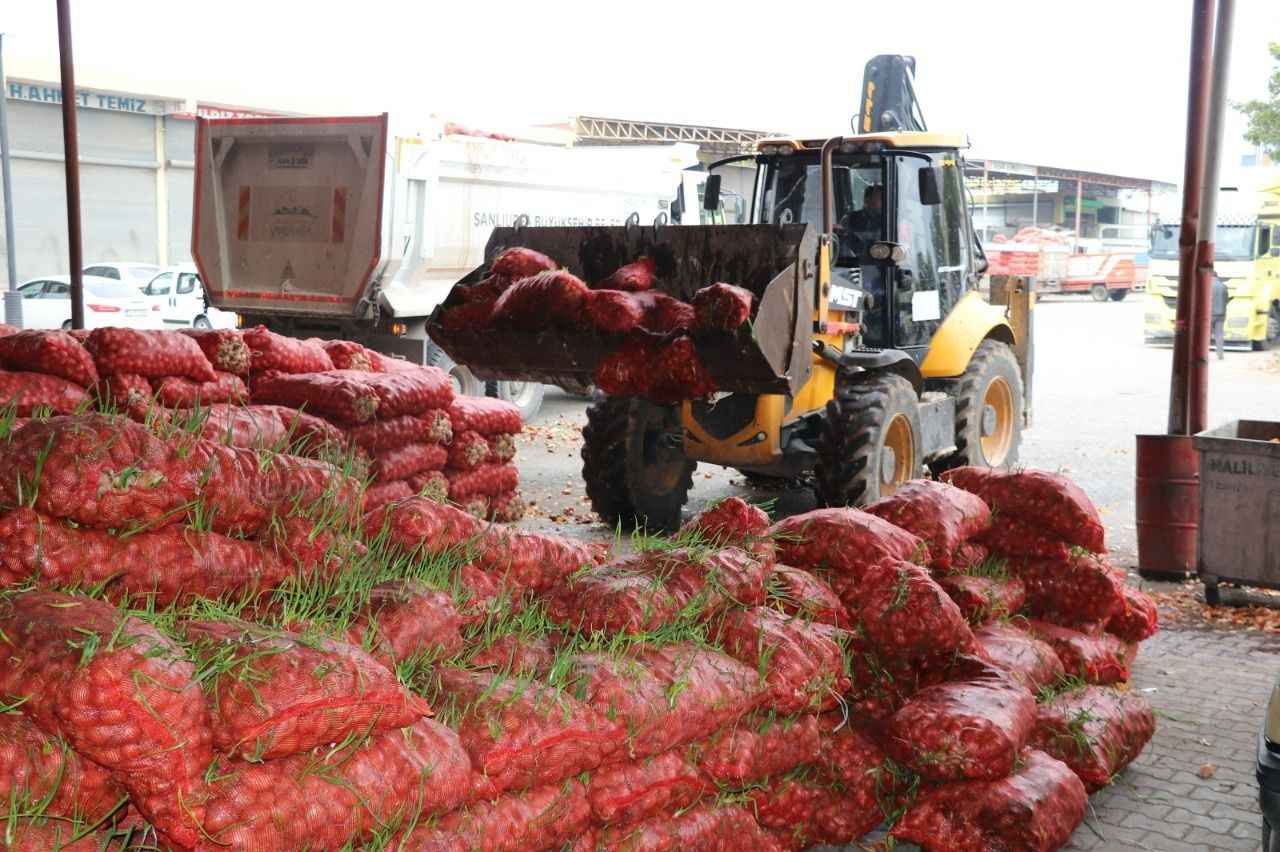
679	374
349	355
807	810
627	370
415	391
758	746
125	392
729	576
843	541
344	397
1082	588
800	593
615	598
706	826
29	393
338	797
486	480
468	450
1101	659
521	733
38	768
665	314
153	354
943	516
518	262
721	307
54	353
40	834
907	617
730	521
552	298
1028	660
271	351
548	817
507	508
1137	620
407	461
391	434
664	696
99	471
1035	809
422	525
467	315
484	415
629	792
404	618
1046	500
968	556
6	330
120	693
177	392
167	564
612	311
224	347
1016	539
1097	731
801	663
964	729
433	485
502	448
984	599
533	561
275	693
380	493
634	277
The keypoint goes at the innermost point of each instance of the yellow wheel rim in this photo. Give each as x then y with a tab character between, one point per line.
899	438
997	423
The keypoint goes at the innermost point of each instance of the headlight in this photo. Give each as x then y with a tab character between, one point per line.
786	150
769	150
880	251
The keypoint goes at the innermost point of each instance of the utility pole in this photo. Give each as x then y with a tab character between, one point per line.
12	298
71	159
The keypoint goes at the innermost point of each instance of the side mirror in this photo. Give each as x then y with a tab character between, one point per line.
930	185
711	193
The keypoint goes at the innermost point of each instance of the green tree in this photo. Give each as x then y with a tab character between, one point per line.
1264	115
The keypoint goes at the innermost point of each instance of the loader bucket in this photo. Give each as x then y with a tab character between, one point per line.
775	262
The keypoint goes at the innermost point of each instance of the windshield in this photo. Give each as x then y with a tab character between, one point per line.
793	194
112	289
1230	242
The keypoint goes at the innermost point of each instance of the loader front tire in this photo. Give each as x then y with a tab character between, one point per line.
869	443
988	410
633	463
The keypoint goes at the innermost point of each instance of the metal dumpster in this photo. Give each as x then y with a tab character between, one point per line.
1239	505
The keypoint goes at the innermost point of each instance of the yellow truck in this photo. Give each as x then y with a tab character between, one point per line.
1247	257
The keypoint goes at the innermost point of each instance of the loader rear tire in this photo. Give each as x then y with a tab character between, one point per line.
869	443
988	410
634	475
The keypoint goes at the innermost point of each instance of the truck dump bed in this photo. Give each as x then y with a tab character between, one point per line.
776	263
288	212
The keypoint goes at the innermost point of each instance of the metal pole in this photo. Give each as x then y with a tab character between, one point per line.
1192	180
1079	205
71	156
12	298
1198	391
1035	198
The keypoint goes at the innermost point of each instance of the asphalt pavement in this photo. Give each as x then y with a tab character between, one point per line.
1096	386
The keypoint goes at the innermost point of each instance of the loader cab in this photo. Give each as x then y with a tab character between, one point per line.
902	193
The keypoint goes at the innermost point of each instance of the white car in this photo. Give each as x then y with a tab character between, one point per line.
46	303
178	295
137	274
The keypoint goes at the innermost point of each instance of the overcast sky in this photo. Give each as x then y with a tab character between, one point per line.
1091	84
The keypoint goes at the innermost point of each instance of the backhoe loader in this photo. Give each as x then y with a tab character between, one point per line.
870	353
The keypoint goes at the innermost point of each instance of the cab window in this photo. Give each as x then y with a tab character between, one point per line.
1264	240
32	290
160	285
186	283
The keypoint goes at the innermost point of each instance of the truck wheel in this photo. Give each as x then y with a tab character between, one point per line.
633	463
526	396
988	410
1273	329
869	442
1118	295
464	381
1099	292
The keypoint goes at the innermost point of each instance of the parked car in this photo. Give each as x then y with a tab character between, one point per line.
46	303
178	295
137	274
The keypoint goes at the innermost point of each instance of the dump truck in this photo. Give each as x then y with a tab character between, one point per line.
325	227
869	353
1246	256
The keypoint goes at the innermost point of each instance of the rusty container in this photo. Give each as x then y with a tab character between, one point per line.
1240	503
1167	492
